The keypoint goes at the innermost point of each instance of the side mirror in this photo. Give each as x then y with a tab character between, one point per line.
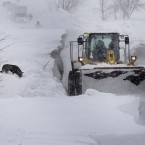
80	41
126	40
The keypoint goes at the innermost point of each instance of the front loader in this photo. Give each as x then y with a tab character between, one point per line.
103	61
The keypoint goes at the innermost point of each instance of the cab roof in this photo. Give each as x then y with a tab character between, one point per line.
88	33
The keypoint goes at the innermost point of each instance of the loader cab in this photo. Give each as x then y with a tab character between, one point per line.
99	45
95	48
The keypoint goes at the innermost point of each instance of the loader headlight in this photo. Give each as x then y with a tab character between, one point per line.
133	58
81	59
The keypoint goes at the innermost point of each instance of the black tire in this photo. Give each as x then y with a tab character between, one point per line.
74	83
78	83
71	84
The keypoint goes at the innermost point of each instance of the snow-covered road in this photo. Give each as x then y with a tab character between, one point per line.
82	120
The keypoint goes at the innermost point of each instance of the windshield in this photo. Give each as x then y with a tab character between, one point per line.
99	43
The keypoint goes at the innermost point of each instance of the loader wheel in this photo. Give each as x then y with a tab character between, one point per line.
71	84
78	83
74	83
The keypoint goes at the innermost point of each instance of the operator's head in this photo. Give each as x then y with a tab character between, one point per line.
100	43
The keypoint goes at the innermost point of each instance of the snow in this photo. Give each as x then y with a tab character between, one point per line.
55	120
29	50
35	109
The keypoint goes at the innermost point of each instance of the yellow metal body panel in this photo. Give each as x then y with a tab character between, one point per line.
110	57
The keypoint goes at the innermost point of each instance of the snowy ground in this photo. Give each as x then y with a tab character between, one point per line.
67	121
35	110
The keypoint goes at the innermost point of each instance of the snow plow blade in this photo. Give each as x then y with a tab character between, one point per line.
117	80
134	74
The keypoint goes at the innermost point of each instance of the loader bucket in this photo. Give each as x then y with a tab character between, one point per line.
118	80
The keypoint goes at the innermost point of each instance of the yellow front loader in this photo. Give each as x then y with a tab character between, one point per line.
99	58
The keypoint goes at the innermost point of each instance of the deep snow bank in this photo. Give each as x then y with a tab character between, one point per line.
30	49
58	68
